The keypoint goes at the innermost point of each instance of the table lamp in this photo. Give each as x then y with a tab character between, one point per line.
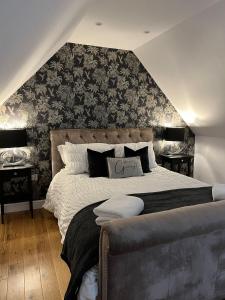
174	134
13	138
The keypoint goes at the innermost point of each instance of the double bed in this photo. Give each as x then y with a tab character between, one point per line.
68	195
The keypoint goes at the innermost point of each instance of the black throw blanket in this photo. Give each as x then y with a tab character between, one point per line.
81	246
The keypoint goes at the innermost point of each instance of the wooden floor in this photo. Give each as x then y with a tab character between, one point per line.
30	263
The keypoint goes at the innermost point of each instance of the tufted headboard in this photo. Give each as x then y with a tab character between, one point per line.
84	136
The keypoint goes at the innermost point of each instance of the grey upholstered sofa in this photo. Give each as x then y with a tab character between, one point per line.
177	255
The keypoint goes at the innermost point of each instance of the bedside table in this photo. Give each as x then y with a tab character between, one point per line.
177	160
9	173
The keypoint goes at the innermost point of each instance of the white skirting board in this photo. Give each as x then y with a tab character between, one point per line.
22	206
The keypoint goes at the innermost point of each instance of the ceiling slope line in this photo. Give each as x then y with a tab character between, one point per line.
25	50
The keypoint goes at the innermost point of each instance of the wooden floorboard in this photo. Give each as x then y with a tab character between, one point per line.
4	255
32	278
15	249
30	263
3	289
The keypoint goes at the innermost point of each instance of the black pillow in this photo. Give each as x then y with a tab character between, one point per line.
143	153
97	162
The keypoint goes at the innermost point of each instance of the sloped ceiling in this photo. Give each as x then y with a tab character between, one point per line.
124	22
188	63
31	31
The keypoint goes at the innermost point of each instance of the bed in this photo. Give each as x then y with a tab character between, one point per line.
68	195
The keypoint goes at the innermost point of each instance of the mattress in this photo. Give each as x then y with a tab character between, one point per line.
68	194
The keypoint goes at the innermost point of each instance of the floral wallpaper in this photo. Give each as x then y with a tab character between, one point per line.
87	87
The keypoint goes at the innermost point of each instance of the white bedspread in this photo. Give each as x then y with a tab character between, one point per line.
68	194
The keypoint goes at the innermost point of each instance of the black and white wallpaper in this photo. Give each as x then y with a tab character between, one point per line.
87	87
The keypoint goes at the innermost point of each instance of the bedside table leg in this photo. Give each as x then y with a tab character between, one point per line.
172	166
179	167
189	167
31	194
2	212
31	209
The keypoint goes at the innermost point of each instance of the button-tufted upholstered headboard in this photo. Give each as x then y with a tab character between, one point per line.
84	136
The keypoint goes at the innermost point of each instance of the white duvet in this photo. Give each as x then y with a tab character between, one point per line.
68	194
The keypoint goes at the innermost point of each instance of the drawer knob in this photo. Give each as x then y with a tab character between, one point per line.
15	173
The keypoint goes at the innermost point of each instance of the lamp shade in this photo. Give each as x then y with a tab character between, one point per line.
174	134
13	138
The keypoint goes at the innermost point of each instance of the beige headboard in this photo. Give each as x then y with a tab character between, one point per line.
84	136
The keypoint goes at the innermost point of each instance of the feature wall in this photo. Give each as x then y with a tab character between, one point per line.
88	87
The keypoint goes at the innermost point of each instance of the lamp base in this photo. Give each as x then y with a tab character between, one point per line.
13	158
181	151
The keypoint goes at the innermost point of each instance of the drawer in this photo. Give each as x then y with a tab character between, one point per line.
184	160
6	175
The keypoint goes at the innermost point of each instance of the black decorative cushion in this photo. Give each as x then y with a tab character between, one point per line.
143	153
97	162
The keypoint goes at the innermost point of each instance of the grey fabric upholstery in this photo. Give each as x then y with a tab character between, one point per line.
83	136
172	255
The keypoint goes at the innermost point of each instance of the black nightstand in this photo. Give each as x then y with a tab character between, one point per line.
7	174
177	160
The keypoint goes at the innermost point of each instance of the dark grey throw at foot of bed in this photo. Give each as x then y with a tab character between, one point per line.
81	246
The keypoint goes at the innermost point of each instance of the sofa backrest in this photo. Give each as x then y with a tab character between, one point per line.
177	254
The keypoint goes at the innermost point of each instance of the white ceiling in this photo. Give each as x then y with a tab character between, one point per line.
124	21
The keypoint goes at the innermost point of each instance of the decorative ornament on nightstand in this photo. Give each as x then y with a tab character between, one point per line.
13	138
175	134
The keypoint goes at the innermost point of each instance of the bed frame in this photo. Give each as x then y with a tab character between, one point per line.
84	136
177	254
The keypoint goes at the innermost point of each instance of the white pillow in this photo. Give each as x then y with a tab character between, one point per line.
119	151
75	156
218	191
61	149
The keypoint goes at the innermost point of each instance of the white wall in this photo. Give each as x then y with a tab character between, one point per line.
210	159
188	63
31	31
